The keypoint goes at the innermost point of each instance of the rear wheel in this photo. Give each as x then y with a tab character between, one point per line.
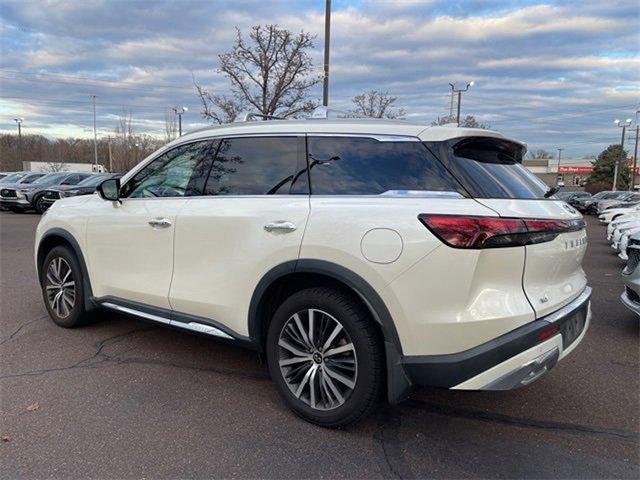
62	288
325	357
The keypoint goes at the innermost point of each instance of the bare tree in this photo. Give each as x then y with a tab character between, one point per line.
56	167
540	154
468	121
270	72
376	104
170	126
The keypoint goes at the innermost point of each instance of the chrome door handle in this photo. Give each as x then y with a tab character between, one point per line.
284	227
160	222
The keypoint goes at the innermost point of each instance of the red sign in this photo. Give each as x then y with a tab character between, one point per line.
571	169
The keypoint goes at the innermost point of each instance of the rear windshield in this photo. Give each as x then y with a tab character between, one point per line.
490	168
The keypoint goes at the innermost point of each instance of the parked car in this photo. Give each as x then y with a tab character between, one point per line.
621	229
631	276
611	214
362	256
589	205
623	198
13	181
26	197
85	187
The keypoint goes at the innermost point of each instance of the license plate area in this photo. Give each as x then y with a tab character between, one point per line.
573	325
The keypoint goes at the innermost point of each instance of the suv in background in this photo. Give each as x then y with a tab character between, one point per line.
13	181
25	197
85	187
362	256
631	275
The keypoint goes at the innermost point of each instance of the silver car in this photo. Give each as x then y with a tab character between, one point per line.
631	276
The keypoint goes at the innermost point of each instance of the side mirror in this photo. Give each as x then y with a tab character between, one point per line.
110	189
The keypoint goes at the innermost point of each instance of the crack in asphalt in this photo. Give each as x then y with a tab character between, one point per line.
105	359
389	423
548	425
19	329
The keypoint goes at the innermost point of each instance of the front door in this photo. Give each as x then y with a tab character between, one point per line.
130	245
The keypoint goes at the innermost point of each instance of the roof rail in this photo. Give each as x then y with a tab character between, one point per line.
248	116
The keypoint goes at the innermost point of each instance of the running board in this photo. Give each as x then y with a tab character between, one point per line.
193	326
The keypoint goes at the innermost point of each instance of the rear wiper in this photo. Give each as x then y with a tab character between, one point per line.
552	191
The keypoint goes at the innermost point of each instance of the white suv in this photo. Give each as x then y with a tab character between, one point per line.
362	256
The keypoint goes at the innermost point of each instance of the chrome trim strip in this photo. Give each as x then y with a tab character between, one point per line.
202	328
194	326
137	313
381	137
421	194
570	307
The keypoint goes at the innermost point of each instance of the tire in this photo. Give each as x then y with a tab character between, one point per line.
39	205
69	309
347	384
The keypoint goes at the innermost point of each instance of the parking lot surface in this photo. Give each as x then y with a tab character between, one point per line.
120	398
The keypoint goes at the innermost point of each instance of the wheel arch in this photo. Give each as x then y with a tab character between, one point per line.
289	277
55	237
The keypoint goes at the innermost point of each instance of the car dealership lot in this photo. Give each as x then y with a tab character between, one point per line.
121	398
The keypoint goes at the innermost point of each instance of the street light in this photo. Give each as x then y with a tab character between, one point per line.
19	121
179	111
459	92
635	154
624	126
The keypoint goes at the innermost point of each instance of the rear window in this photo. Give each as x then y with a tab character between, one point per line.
490	168
368	166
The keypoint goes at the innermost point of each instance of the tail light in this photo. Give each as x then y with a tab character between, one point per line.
491	232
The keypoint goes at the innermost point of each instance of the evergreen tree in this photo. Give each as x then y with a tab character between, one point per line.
604	166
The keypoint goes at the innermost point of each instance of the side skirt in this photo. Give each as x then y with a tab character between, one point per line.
183	321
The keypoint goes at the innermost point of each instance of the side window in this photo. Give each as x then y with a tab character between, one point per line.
70	180
258	166
177	173
367	166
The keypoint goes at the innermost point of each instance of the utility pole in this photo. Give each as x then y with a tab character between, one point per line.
179	111
327	38
624	126
19	121
558	168
635	159
459	92
110	154
95	135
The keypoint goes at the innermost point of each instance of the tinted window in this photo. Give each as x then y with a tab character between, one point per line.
32	177
258	166
491	168
50	179
176	173
367	166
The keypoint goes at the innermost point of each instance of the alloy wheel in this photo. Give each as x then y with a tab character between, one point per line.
317	359
60	287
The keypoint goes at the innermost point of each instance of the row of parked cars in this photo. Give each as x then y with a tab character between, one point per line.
24	191
620	212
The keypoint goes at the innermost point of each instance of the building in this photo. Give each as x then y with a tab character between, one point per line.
61	167
571	173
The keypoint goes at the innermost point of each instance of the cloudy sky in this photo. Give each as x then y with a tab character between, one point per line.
552	74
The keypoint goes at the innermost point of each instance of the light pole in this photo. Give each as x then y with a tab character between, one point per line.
624	126
327	38
95	135
19	121
179	111
558	169
459	92
635	155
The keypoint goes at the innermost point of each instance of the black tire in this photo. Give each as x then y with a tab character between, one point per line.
76	313
368	355
39	205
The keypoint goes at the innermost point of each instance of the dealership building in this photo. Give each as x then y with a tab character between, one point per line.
571	172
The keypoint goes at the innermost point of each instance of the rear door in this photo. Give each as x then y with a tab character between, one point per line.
250	219
491	170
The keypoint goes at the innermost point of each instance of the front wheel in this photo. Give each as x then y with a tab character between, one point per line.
325	357
62	287
40	205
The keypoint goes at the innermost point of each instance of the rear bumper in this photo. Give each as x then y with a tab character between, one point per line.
513	360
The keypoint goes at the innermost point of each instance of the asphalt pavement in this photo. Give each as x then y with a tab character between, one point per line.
120	398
